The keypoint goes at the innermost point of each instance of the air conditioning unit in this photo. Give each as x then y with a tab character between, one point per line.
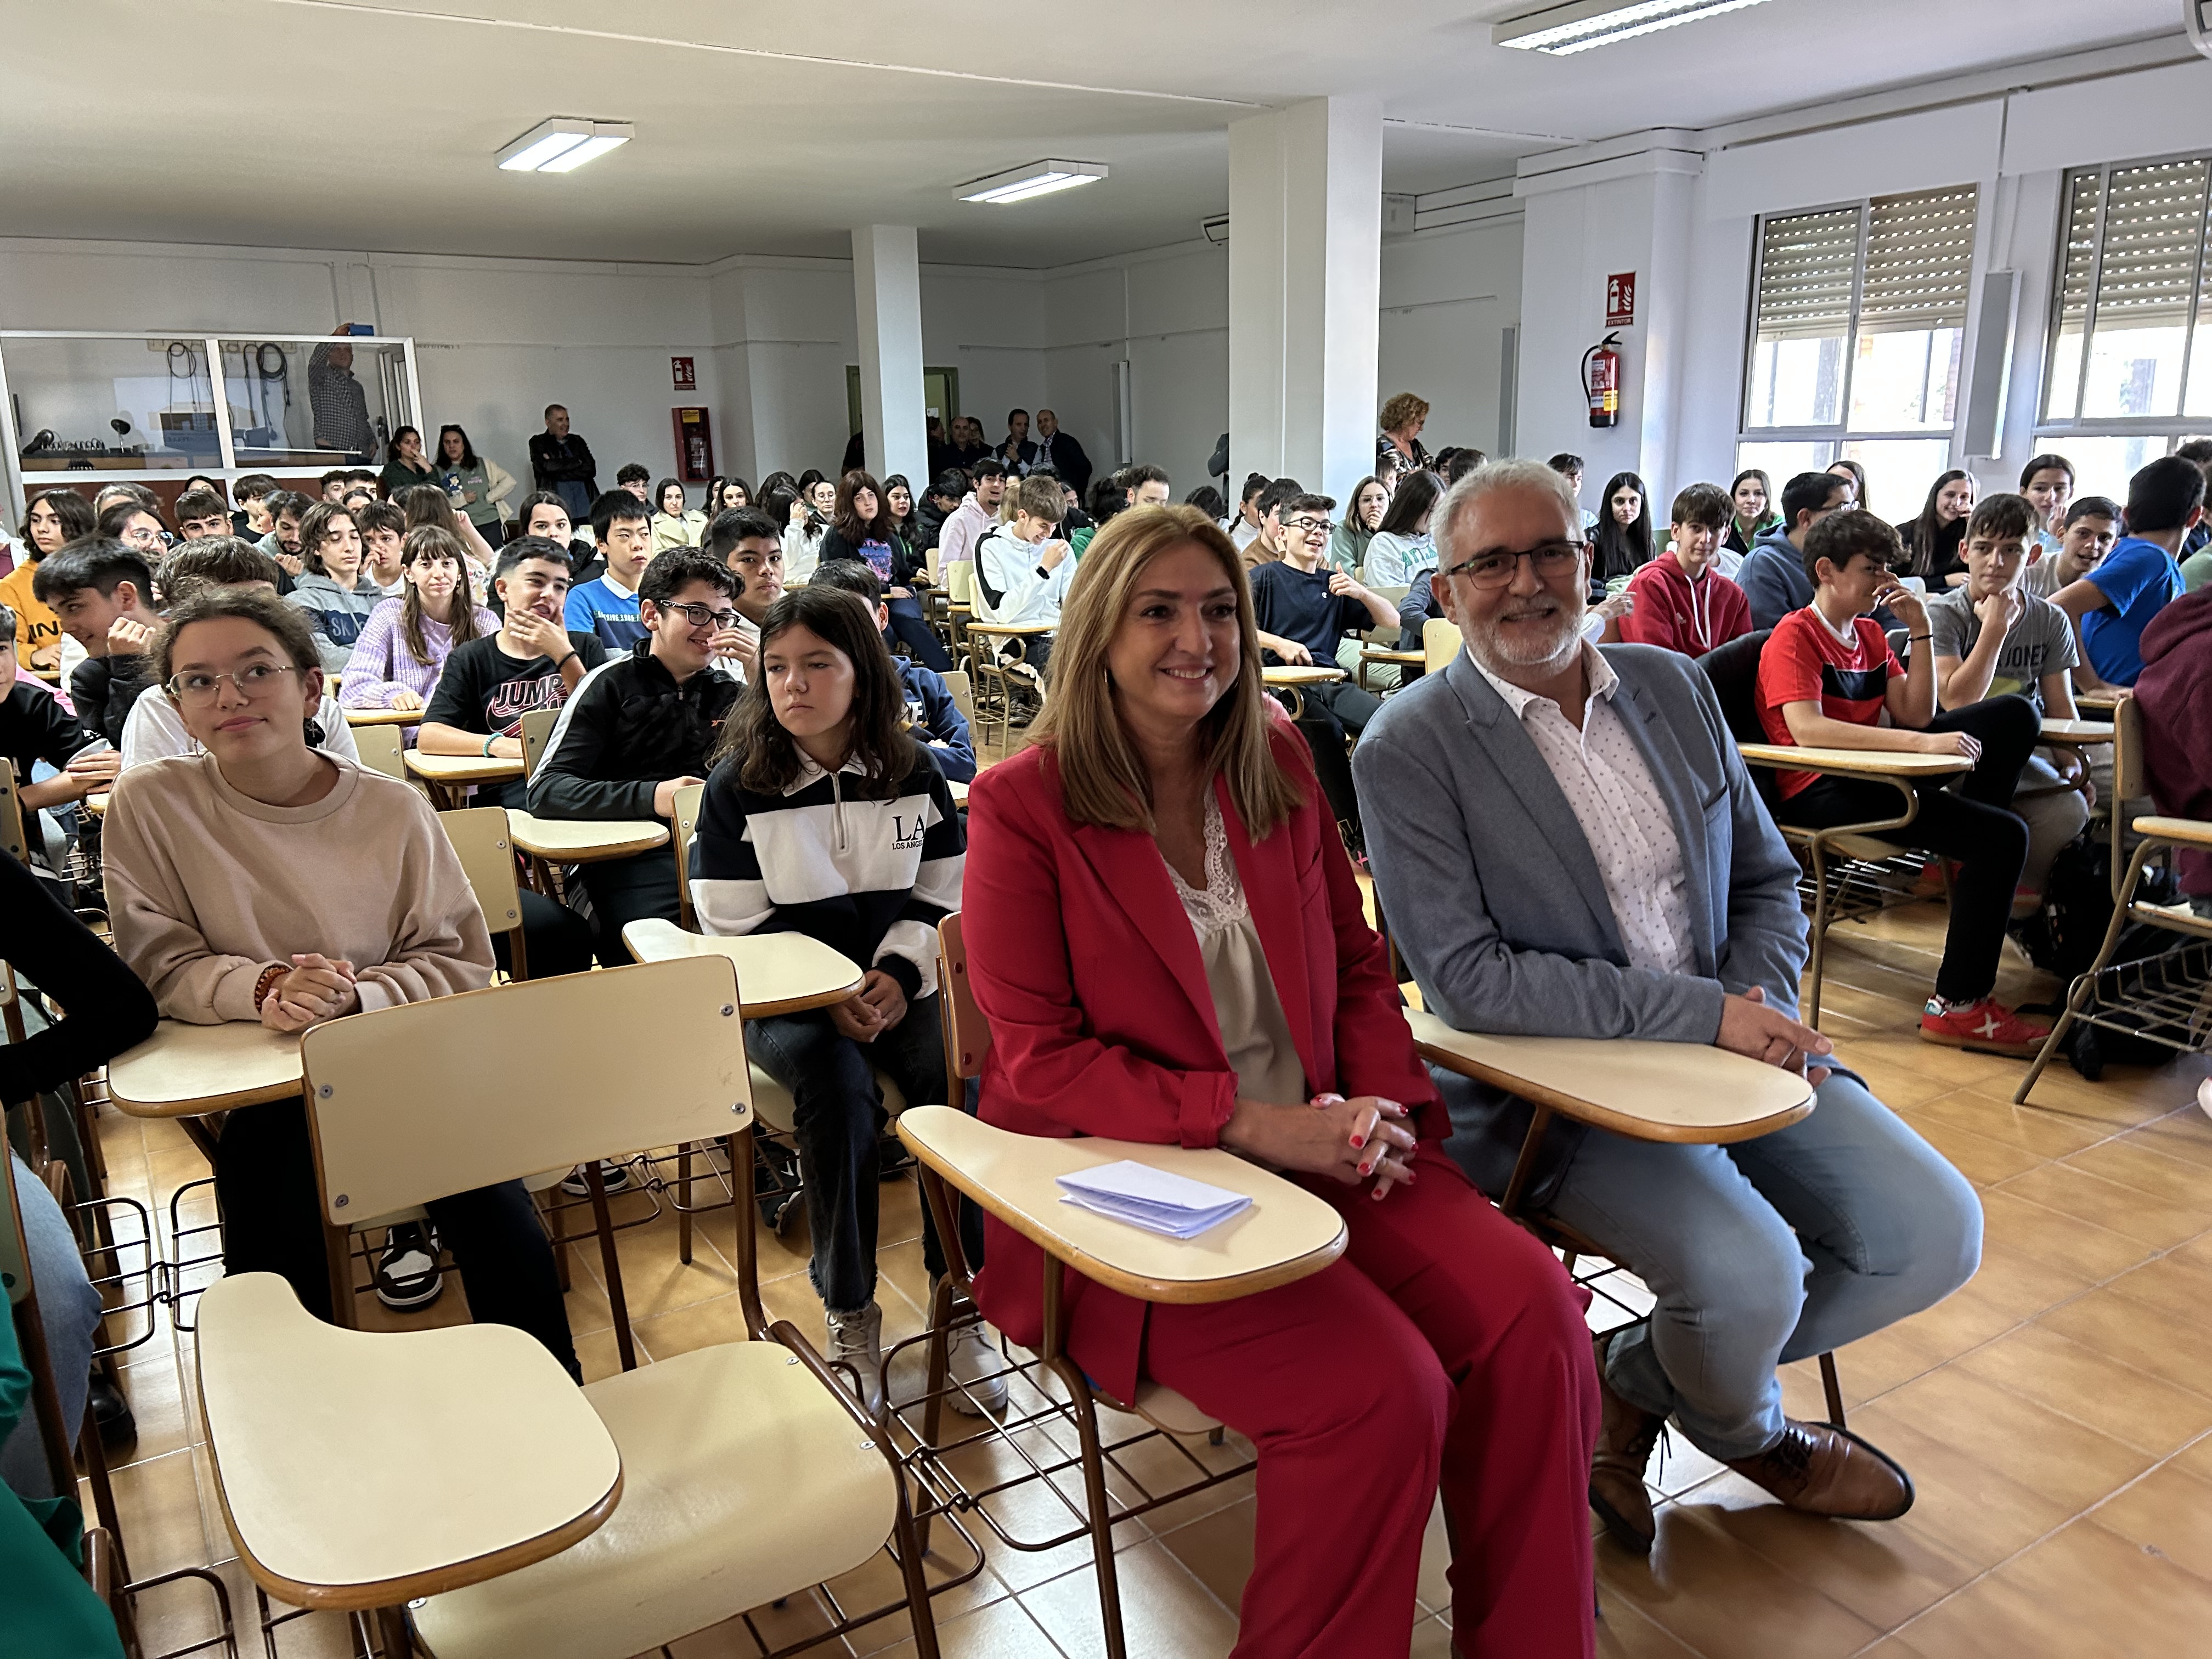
1215	230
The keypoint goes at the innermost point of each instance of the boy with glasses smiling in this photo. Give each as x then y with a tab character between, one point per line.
1303	610
639	728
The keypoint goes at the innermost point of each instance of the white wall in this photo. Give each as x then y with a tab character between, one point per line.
1447	298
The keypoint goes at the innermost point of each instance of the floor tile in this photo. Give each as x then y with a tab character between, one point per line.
1164	1609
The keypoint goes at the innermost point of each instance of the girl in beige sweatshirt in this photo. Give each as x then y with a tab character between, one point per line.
265	880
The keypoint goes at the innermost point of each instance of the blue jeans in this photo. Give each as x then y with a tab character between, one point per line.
577	499
837	1114
69	1309
1768	1251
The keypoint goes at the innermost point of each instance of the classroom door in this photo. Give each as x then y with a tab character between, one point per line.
940	394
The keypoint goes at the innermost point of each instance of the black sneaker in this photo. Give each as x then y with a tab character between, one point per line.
615	1177
892	1159
407	1273
118	1427
777	1210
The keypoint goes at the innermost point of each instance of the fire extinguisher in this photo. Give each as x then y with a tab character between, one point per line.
1602	381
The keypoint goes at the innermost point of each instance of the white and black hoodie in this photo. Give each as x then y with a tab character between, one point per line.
868	868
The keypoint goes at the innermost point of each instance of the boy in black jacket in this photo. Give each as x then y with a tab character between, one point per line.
35	726
639	728
102	593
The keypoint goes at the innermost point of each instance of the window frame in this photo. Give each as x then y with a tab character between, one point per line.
1841	433
2176	429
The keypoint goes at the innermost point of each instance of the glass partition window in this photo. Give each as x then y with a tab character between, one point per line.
1859	320
325	403
113	405
2131	358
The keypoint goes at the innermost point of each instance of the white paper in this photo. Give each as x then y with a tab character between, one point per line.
1155	1200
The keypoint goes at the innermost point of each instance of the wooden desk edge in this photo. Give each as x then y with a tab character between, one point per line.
1226	1287
1877	764
203	1105
1602	1117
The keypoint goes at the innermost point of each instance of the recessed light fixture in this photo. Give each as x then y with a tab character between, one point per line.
1037	178
1581	24
563	144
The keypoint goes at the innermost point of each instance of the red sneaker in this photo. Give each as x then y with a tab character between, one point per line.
1988	1025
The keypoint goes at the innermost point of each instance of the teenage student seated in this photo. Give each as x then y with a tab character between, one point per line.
1825	678
1166	937
102	593
402	650
1302	610
1772	575
547	515
932	717
2112	604
335	590
33	727
383	529
1567	844
54	519
607	604
1994	639
750	544
153	729
861	527
1677	599
639	728
220	870
823	817
2175	697
2085	534
1022	568
489	685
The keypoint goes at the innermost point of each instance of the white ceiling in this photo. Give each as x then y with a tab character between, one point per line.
772	127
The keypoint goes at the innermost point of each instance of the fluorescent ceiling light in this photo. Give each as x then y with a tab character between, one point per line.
1037	178
563	144
1582	24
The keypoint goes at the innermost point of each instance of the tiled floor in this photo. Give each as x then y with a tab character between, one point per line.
2056	1415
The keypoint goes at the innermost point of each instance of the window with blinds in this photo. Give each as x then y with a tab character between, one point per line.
2127	341
1860	316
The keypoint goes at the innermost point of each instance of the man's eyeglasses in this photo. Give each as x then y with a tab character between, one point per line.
1309	527
701	615
197	689
1494	568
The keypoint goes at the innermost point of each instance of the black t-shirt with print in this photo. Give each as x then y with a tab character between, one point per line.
483	689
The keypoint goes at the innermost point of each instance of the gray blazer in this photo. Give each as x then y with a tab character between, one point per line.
1494	898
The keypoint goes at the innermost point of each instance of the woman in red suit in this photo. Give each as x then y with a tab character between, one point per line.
1133	992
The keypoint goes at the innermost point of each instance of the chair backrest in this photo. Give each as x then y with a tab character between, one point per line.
380	750
536	730
427	1099
963	690
1733	670
685	827
960	582
931	562
479	835
967	1033
2129	781
12	839
1440	643
1387	634
14	1260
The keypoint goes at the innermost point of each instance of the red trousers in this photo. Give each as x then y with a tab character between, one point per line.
1445	1343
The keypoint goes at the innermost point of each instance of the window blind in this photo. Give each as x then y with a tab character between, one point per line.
2155	229
2079	263
1807	262
1920	253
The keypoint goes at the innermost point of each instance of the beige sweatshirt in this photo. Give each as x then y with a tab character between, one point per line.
207	887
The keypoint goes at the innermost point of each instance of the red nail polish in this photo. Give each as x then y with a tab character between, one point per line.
1358	1142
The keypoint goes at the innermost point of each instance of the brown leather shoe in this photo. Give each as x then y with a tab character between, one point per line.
1625	1436
1824	1470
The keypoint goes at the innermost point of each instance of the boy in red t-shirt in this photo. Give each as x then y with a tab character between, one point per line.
1826	677
1681	601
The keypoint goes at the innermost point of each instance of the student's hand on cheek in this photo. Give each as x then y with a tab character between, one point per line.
126	638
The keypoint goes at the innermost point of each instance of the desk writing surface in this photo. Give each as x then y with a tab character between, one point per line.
1872	763
1300	674
777	973
463	769
186	1071
582	841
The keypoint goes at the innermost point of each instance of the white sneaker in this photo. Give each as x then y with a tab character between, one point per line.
2204	1097
857	1339
973	1361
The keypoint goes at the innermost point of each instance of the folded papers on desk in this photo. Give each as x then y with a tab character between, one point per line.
1155	1200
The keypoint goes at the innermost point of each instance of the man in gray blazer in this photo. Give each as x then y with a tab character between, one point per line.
1565	843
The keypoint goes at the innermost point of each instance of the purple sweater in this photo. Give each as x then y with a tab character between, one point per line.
382	666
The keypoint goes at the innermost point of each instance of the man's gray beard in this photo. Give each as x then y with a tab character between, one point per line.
1491	648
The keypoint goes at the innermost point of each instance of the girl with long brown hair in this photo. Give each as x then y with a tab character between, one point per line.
403	645
862	528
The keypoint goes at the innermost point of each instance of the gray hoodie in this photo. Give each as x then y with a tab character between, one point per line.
335	614
1772	577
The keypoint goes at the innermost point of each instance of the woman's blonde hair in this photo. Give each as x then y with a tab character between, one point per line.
1102	780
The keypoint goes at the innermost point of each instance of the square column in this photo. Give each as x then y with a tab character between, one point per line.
887	300
1305	278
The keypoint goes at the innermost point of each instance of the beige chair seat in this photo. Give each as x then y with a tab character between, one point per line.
1866	849
743	1481
356	1468
772	1105
1164	1408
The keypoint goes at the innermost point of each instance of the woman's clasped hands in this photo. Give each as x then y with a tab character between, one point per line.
1363	1138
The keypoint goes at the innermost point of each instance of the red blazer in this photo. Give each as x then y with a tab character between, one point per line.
1085	963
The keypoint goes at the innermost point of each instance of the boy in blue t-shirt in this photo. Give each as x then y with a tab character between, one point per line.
607	606
2111	604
